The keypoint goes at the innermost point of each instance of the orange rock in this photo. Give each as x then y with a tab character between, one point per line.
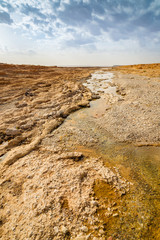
110	238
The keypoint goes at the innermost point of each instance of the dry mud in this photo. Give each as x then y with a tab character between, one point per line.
52	185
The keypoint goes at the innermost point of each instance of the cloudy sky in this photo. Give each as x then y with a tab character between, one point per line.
80	32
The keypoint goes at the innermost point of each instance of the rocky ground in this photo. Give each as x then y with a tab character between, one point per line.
135	117
51	187
34	100
46	192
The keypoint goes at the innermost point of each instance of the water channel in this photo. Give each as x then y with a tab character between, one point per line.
139	210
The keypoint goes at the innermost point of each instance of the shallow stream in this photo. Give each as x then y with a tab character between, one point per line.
139	209
139	214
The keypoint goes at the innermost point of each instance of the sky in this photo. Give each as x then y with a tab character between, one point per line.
80	32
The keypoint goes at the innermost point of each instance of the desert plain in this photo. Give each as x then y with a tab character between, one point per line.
75	163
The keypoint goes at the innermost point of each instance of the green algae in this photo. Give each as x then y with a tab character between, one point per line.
139	210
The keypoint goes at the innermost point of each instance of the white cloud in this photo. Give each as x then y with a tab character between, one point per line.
78	28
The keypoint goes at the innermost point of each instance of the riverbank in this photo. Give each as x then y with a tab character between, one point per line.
35	100
135	117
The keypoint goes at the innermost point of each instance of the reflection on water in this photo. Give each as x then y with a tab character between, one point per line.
101	82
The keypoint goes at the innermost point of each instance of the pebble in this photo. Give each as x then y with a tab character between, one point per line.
64	229
115	215
12	131
96	228
110	238
84	229
81	237
56	230
101	231
94	203
73	155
